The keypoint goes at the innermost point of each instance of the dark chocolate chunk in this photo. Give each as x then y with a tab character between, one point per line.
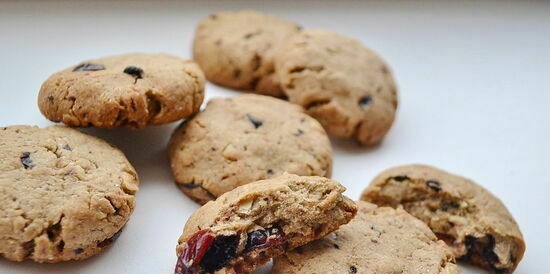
189	186
222	250
449	205
401	178
255	121
270	172
267	238
435	185
88	67
237	73
111	240
364	101
352	269
26	160
134	71
298	133
336	246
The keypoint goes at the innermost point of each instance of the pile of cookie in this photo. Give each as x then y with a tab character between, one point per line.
259	164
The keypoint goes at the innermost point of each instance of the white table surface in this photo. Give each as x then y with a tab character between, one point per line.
474	99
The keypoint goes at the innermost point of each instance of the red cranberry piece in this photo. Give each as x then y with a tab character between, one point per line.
194	251
270	237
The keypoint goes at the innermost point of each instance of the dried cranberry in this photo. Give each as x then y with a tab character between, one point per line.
205	253
194	250
270	237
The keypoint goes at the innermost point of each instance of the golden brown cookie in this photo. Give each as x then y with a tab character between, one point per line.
130	90
345	86
64	195
247	226
237	49
239	140
472	221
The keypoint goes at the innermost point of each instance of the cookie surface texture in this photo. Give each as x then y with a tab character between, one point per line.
243	139
377	241
474	223
247	226
345	86
64	195
236	49
131	90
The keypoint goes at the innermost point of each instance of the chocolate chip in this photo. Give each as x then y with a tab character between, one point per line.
364	101
401	178
435	185
270	172
26	160
222	250
255	121
67	147
336	246
111	240
298	133
237	73
78	250
88	67
488	252
352	269
134	71
449	205
189	186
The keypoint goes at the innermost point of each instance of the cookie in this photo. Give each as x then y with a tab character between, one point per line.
377	241
345	86
473	222
131	91
239	140
64	195
237	49
247	226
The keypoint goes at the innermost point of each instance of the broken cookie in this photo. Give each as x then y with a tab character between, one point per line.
247	226
472	221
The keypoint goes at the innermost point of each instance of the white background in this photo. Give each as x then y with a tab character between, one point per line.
474	99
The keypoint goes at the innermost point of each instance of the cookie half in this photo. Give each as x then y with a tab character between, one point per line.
472	221
64	195
348	88
378	240
131	90
247	226
237	49
239	140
